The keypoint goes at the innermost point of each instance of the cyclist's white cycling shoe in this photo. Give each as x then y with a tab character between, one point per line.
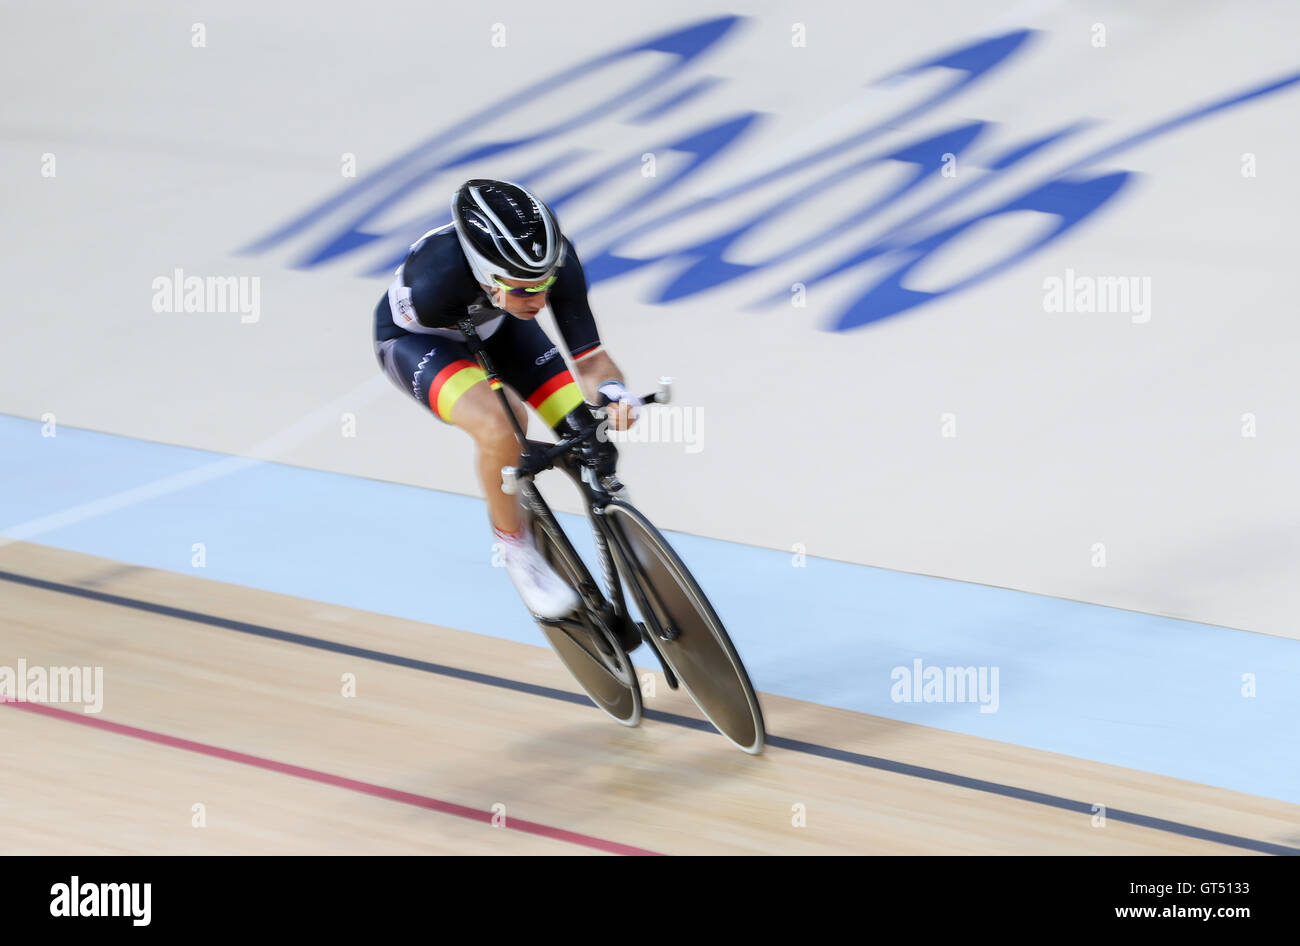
544	592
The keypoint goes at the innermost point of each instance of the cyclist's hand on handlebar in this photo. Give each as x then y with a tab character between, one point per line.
621	414
621	408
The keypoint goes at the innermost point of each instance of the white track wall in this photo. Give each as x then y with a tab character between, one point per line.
977	436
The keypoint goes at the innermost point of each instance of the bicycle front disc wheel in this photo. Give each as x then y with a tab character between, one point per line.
586	647
688	633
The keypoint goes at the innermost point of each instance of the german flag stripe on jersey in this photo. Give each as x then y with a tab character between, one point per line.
556	398
450	383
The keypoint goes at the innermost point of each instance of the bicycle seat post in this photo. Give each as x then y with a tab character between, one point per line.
480	353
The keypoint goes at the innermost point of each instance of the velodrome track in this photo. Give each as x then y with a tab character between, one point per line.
229	698
229	510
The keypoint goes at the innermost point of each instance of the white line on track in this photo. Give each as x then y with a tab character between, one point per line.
268	449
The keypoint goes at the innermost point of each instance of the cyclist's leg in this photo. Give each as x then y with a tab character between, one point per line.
441	374
478	412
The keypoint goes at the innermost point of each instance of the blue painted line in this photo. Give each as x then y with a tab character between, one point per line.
687	722
1145	692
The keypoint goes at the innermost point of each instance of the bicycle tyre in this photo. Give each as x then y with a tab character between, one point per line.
605	673
702	655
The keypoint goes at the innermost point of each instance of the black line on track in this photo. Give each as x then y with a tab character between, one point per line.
793	745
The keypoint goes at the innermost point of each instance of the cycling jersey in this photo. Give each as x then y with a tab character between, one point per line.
434	289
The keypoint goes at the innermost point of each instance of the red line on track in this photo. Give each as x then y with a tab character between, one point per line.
338	781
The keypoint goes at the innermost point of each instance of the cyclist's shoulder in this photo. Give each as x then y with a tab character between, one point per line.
572	281
434	287
436	265
437	254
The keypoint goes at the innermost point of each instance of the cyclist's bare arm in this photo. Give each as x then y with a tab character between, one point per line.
595	370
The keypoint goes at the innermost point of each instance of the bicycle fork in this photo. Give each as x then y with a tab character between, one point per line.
656	630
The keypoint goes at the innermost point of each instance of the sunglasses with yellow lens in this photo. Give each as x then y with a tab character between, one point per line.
525	291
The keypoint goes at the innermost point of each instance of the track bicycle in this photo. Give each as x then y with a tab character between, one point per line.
676	621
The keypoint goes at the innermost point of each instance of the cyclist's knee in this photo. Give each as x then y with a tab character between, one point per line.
484	420
497	437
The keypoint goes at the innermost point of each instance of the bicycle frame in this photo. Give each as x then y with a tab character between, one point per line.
618	565
597	495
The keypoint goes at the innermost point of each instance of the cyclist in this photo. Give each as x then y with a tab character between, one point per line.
500	260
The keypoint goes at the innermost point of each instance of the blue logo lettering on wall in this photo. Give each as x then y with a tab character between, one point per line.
614	90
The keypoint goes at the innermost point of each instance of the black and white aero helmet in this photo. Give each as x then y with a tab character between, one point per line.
506	231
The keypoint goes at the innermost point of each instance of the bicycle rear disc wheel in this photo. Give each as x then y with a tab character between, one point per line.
701	654
586	647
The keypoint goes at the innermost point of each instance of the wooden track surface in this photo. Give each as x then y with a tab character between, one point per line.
251	707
